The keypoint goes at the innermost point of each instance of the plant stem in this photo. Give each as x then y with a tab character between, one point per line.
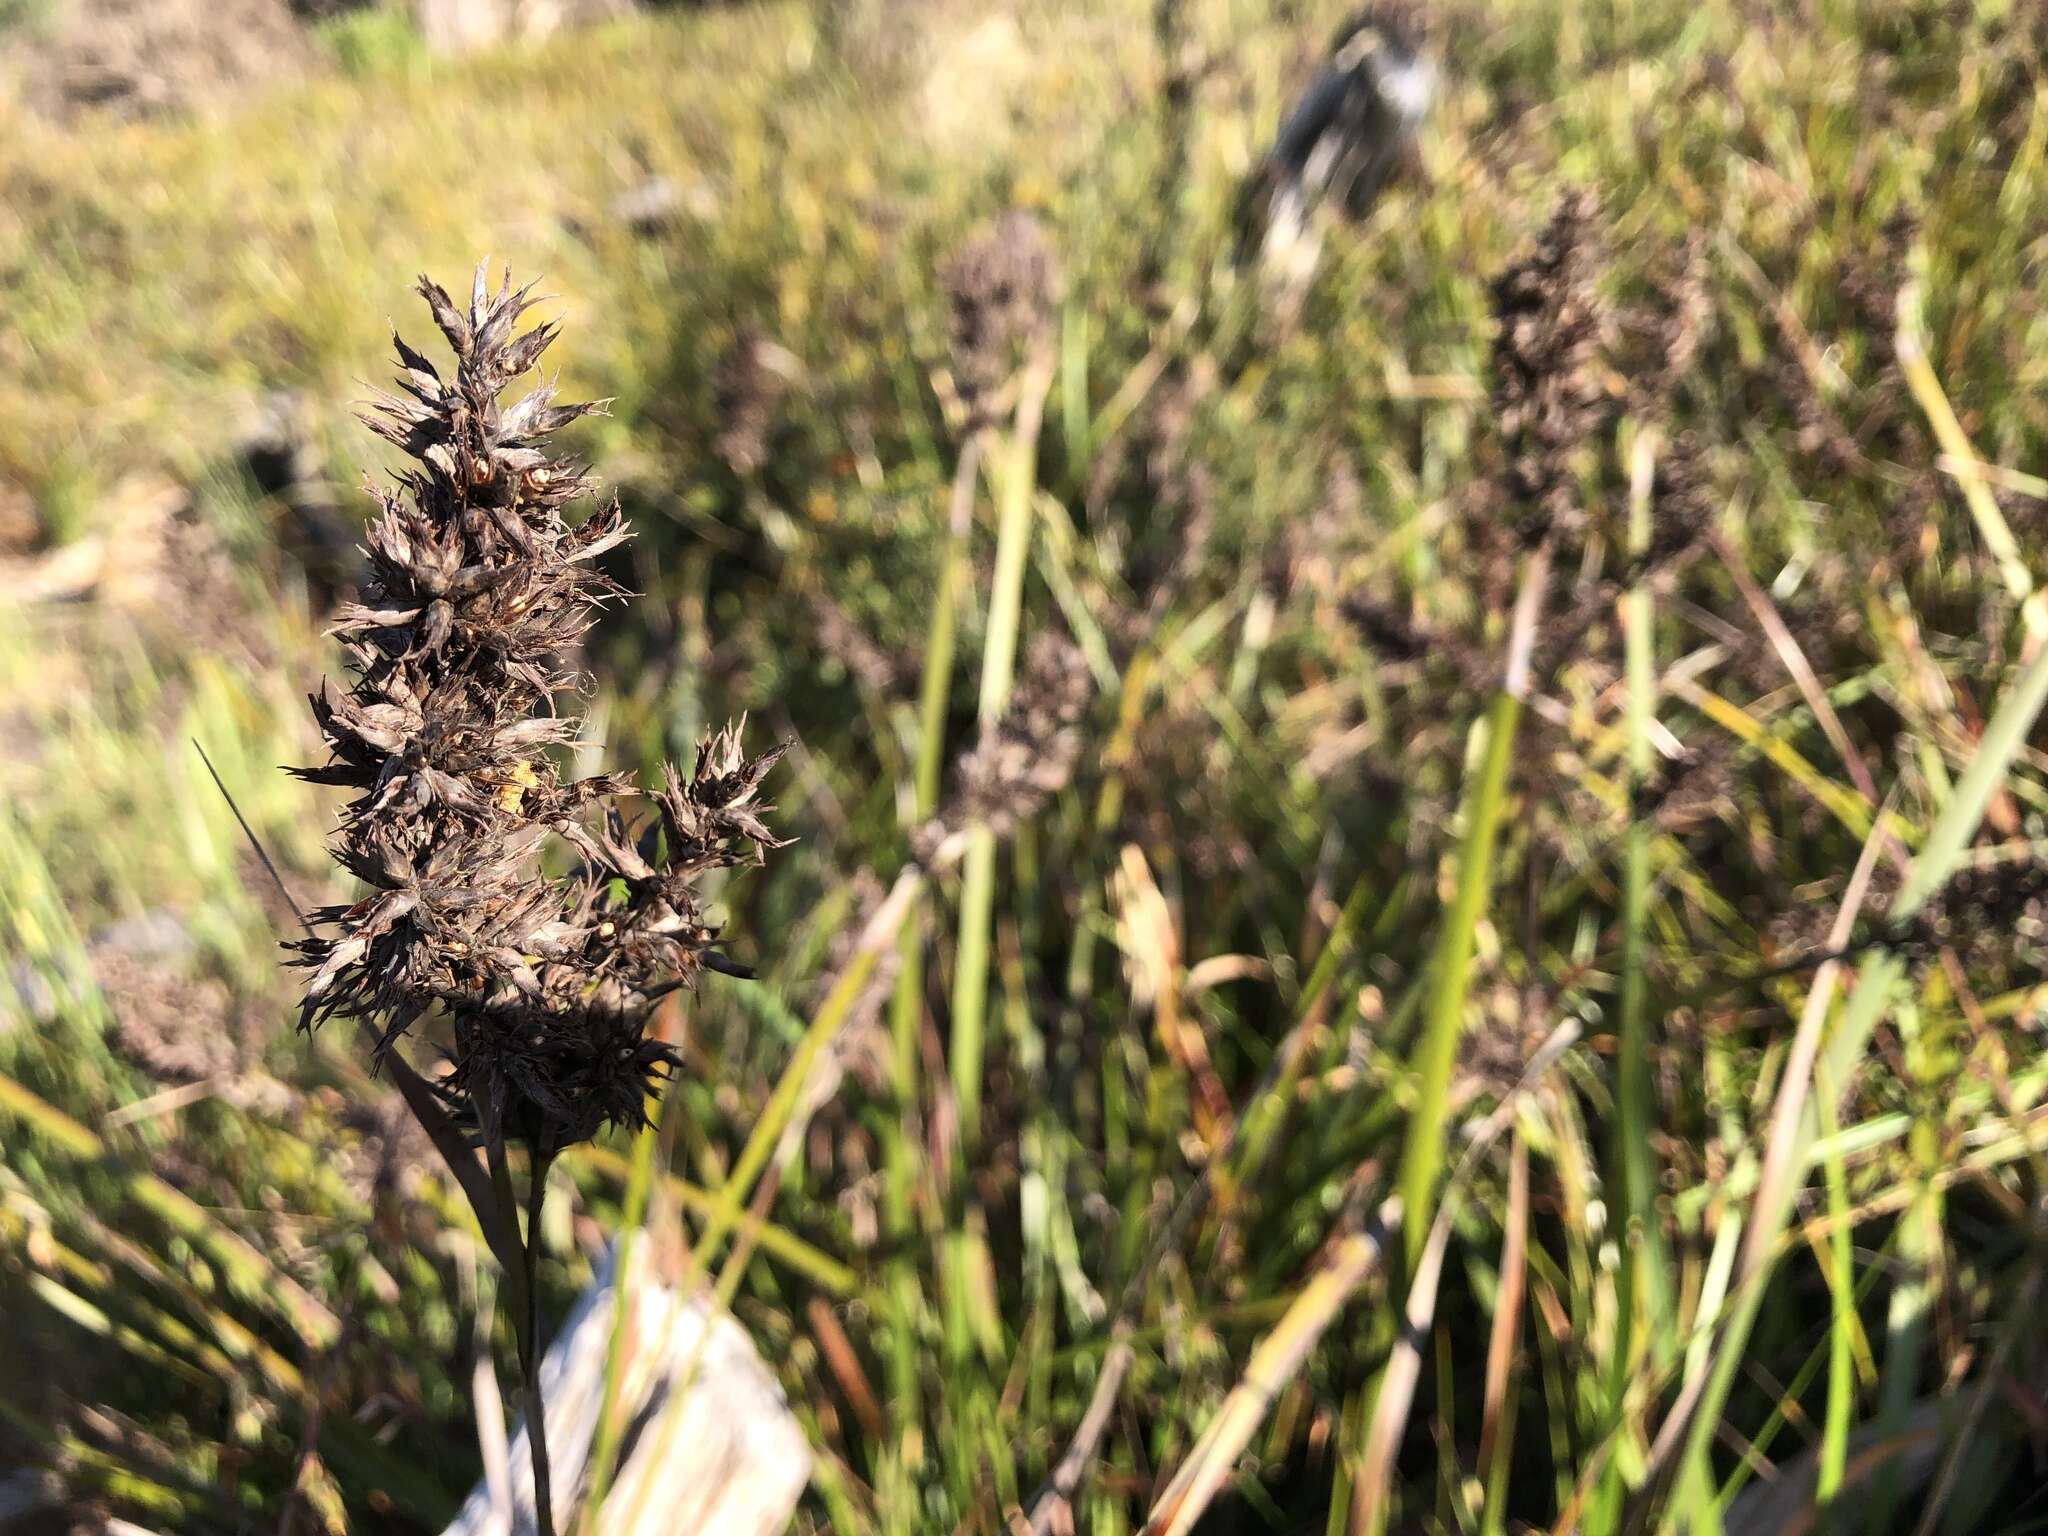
520	1274
970	979
1644	1254
1436	1049
924	795
1017	483
1834	1445
1916	1279
530	1355
611	1421
1451	969
1641	1281
906	1006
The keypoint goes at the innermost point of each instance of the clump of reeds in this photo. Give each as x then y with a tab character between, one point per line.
478	586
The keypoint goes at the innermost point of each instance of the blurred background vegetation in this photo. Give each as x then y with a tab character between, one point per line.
1263	609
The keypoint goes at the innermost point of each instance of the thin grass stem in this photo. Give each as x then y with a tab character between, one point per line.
1436	1050
1693	1418
1016	484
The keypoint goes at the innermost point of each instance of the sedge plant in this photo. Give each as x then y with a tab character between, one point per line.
478	590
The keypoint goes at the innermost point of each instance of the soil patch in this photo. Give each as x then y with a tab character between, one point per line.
135	58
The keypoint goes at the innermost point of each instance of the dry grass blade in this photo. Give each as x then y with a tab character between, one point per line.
1507	1320
1796	1083
1057	1498
1782	641
246	1270
1850	809
1968	469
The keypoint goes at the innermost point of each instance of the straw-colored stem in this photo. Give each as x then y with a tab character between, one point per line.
1274	1363
1635	1115
1497	1431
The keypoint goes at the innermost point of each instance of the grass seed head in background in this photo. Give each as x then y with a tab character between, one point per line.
1026	757
1002	288
477	589
748	388
1549	393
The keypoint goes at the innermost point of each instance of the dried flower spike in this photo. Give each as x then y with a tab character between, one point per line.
1027	756
477	588
1549	394
1002	288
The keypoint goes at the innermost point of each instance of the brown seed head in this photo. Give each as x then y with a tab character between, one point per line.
1001	288
1549	396
477	588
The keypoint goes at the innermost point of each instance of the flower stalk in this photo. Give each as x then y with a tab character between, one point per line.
448	738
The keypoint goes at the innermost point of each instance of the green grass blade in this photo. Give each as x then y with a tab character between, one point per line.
1841	1405
1422	1154
1017	483
1879	973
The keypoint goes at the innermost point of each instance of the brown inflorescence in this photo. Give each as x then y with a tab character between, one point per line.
477	588
1002	288
1028	756
1550	395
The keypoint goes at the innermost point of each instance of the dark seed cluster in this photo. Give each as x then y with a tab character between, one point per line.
1000	288
1549	393
477	587
1030	754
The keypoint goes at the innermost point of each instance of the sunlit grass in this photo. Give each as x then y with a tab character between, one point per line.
1147	1068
